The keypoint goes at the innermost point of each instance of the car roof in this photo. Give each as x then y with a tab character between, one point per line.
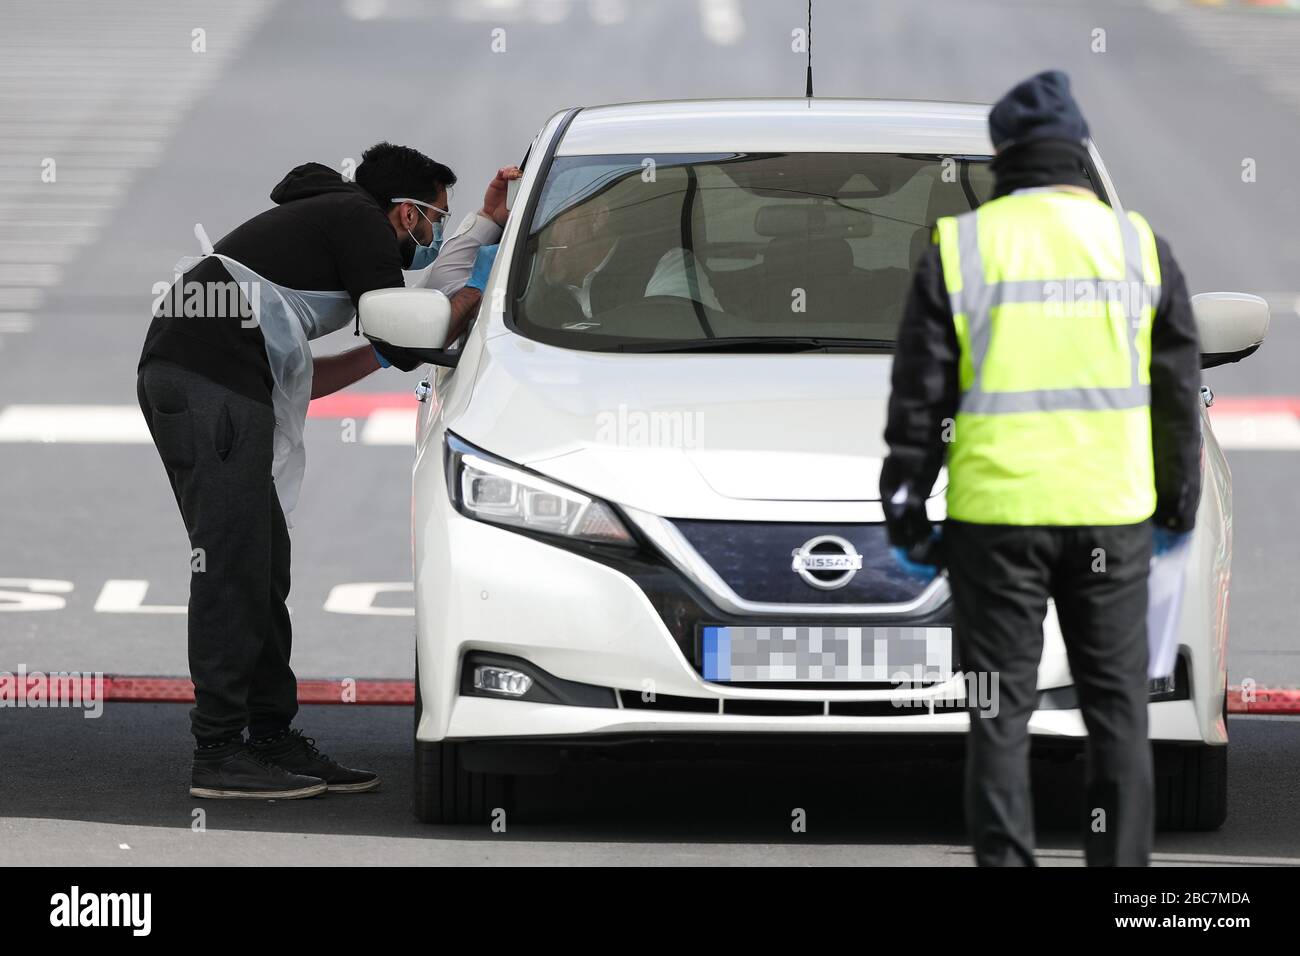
819	124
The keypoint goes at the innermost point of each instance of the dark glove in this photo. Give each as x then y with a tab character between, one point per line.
398	357
917	543
924	572
922	559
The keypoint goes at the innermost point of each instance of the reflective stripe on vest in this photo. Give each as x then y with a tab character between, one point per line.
1067	453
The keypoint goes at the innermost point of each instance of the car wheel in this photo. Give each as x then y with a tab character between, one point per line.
445	792
1192	784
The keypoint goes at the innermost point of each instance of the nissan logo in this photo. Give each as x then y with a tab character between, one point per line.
826	562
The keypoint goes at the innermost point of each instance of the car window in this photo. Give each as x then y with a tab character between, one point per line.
682	250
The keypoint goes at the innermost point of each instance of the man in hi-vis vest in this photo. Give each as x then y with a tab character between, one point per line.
1048	347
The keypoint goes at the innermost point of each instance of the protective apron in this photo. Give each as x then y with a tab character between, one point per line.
289	319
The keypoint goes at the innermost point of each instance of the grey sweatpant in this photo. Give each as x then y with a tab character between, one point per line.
215	446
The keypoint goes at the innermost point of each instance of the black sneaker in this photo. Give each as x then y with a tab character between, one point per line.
236	771
298	754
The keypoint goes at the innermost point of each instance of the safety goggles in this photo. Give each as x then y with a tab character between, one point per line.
421	202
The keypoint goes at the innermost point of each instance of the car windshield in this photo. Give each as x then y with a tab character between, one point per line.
762	251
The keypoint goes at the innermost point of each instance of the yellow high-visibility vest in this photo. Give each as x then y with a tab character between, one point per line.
1053	294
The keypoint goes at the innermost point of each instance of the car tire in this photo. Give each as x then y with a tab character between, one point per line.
1192	784
445	792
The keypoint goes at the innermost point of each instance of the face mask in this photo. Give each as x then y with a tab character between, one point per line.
422	256
415	254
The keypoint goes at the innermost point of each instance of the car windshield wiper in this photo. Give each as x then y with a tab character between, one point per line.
757	343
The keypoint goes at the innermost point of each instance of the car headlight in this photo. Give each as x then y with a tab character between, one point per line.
491	489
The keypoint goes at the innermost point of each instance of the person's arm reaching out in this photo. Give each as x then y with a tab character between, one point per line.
333	372
459	255
460	261
455	262
340	370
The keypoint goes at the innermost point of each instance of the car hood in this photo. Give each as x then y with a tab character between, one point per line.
654	431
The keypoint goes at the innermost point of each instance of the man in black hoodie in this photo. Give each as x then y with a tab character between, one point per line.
205	385
1013	538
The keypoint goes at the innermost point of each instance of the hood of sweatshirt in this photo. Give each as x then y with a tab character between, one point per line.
314	179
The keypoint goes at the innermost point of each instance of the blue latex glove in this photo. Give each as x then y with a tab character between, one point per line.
1163	540
383	362
924	572
482	266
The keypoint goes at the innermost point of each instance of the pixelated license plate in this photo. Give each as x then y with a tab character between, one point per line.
866	654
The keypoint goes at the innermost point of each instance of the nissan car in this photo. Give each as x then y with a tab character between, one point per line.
645	507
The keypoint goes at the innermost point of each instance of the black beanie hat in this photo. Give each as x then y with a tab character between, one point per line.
1041	107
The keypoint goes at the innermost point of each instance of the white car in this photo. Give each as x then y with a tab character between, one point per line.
645	504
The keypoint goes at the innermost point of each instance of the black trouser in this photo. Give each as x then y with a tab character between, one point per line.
215	445
1001	577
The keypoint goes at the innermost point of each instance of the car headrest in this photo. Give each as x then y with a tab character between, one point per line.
823	220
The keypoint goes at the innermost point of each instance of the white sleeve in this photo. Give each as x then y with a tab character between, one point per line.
670	278
450	271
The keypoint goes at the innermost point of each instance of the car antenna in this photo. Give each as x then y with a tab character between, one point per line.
808	90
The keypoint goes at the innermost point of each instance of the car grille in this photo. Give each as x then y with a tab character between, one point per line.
754	559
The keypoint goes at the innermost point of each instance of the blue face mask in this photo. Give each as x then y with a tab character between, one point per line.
424	255
421	255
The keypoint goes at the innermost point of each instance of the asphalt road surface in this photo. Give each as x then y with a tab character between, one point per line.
150	135
116	793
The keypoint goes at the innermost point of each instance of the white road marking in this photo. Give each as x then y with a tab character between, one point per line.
390	426
121	596
28	273
99	89
359	598
124	425
722	21
14	322
33	594
127	596
80	424
1256	431
1257	44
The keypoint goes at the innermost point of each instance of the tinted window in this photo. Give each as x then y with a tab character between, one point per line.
680	249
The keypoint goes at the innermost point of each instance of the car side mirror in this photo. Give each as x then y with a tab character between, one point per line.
1231	325
413	319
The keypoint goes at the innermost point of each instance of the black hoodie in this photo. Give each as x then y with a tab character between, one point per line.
324	234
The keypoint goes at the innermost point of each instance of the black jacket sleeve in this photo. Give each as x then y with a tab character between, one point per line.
1175	399
922	403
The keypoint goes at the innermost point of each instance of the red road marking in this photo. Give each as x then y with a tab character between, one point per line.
359	404
1267	701
179	690
1256	404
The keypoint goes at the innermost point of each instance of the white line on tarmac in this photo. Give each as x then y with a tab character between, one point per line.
1256	431
117	424
124	425
98	89
390	426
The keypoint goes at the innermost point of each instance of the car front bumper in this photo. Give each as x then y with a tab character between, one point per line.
605	624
